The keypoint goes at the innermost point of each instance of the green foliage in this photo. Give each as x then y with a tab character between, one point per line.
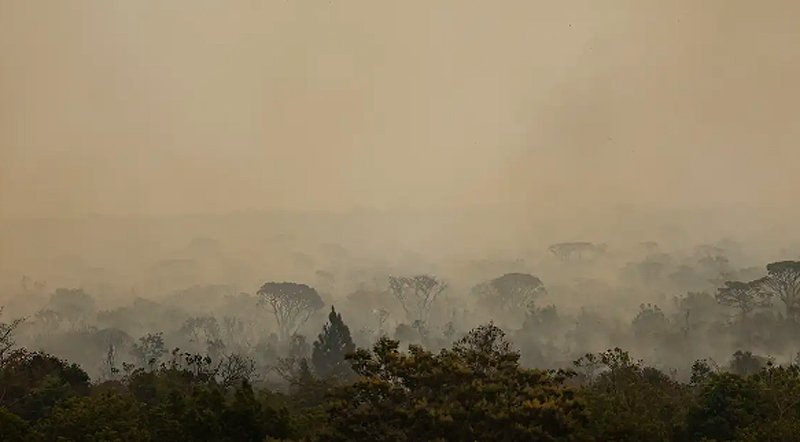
188	404
474	391
724	402
12	427
149	349
763	406
32	383
109	416
628	401
331	347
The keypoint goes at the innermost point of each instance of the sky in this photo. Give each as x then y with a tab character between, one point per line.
152	108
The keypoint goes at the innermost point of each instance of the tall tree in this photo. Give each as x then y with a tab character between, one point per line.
73	305
650	321
291	303
331	347
744	296
149	349
783	282
512	292
416	294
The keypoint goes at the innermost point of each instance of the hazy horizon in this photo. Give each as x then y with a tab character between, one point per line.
408	134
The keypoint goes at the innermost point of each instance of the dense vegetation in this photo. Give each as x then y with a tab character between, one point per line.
210	363
475	390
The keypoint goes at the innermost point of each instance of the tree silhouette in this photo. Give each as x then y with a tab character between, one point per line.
331	347
576	251
783	282
149	349
416	294
291	303
7	341
512	292
650	321
744	296
73	305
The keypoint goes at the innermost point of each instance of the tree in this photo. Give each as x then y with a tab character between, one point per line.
758	403
12	427
576	251
7	341
247	419
629	401
73	305
381	315
510	293
783	282
149	349
180	403
416	294
779	388
696	311
31	383
650	321
744	296
718	267
745	363
47	320
203	332
474	391
108	416
291	303
725	403
331	347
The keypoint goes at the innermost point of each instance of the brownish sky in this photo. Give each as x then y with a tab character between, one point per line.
150	107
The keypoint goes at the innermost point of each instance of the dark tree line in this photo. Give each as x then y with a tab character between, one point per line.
444	385
474	390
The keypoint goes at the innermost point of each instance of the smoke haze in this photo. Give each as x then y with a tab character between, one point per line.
147	108
621	161
448	130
